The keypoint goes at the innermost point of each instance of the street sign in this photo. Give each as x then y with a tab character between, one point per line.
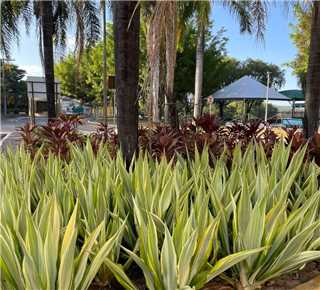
111	82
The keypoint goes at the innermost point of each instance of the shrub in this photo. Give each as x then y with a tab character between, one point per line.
38	253
203	133
183	221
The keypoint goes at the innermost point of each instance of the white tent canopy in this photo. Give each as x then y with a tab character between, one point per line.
247	88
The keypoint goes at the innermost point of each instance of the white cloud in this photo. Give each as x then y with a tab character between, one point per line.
32	69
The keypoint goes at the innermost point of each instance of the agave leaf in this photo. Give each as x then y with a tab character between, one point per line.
120	275
9	262
204	248
227	262
184	264
292	263
51	245
99	259
82	259
169	262
148	275
66	269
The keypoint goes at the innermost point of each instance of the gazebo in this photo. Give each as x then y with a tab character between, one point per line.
246	89
294	96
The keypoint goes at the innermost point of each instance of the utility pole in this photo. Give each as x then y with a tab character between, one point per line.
105	84
267	97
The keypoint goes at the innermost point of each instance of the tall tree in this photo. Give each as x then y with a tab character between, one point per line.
170	109
54	23
251	16
168	23
153	42
46	12
126	35
312	105
11	12
301	34
202	14
14	87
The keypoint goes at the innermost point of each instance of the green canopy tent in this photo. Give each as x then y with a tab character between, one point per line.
294	95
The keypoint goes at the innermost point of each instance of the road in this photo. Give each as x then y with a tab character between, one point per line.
9	136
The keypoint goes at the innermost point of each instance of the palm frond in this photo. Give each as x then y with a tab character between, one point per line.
61	16
10	17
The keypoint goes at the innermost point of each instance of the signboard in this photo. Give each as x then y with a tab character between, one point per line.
37	94
210	100
37	88
111	83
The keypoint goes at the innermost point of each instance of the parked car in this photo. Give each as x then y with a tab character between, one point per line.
287	123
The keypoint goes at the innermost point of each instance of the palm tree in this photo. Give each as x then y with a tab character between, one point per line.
313	75
202	13
11	12
46	12
126	21
169	19
52	18
170	109
168	23
153	40
251	15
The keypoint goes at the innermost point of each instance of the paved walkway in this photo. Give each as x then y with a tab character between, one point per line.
9	135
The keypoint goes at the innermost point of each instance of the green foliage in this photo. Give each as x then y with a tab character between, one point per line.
65	225
37	252
235	110
258	70
83	79
301	35
11	12
14	88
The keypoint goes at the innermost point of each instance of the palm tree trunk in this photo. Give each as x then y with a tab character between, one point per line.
47	35
313	75
199	72
155	89
170	108
126	36
154	66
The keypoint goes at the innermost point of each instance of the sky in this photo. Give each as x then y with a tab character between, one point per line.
277	48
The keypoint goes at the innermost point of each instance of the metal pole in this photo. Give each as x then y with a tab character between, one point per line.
293	108
32	105
244	110
267	97
4	93
105	97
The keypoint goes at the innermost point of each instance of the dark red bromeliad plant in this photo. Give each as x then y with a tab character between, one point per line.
104	136
55	137
164	141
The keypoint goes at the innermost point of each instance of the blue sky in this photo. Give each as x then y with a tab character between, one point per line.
277	47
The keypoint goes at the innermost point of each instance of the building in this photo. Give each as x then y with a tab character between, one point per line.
37	94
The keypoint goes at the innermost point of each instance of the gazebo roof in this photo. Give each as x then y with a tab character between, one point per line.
247	88
295	95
